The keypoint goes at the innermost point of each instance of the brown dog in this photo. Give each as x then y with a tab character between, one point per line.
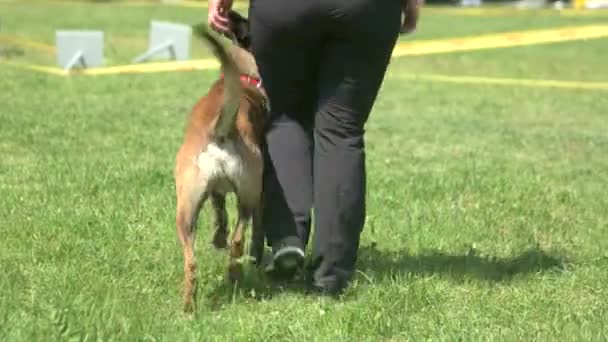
221	154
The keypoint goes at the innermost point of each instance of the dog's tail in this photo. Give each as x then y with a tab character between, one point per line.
232	84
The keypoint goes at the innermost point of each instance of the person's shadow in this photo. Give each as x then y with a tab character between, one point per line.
375	265
381	264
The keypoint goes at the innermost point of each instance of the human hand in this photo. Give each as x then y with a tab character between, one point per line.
217	18
409	8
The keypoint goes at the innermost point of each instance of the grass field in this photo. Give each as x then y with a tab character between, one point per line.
487	216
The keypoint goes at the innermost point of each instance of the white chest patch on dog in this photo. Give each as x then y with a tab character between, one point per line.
222	164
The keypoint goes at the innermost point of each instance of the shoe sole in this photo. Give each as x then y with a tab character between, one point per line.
287	261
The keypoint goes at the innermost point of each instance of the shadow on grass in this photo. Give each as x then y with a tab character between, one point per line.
386	264
254	286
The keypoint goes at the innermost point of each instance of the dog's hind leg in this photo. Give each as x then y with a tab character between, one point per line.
235	269
221	220
256	250
191	193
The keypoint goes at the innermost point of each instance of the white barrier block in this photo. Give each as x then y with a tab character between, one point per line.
79	47
167	41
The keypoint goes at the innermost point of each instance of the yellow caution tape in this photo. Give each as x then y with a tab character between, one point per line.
209	65
501	40
200	64
34	67
503	81
497	11
197	64
404	49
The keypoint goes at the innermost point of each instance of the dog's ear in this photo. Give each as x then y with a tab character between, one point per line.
240	29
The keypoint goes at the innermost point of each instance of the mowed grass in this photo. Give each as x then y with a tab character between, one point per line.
487	209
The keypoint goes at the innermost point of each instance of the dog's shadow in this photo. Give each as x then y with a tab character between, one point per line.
375	265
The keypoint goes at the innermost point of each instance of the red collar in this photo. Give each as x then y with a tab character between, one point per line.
248	80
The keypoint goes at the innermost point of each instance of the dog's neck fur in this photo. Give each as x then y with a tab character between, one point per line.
245	62
247	65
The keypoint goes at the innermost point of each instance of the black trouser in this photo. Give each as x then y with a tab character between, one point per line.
322	63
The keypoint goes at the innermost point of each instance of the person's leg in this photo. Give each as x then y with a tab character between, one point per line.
284	46
351	71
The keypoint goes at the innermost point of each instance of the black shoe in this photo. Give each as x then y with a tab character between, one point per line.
286	261
324	290
324	285
329	286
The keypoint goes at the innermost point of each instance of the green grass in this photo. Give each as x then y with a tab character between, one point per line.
487	216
